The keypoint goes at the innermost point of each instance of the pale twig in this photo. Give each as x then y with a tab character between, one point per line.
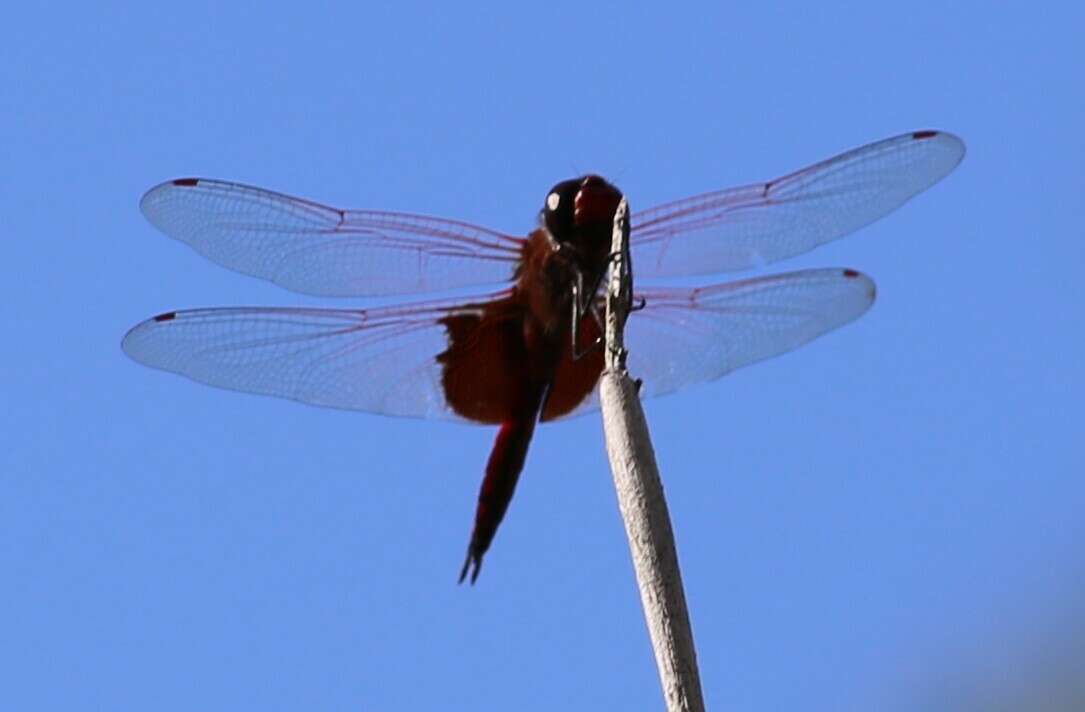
640	496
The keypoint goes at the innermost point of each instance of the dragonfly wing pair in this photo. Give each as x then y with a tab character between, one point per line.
385	360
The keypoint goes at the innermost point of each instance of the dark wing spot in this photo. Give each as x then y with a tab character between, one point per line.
920	135
854	274
186	182
168	316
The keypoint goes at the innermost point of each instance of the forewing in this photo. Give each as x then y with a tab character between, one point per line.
756	224
316	249
686	336
376	360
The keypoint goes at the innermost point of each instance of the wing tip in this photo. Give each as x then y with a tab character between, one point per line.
951	140
128	341
132	336
155	191
855	275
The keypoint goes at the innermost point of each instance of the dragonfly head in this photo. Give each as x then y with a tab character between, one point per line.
578	206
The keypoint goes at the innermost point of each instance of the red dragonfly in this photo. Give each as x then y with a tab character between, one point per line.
529	352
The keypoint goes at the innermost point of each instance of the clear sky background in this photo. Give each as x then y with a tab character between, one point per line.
889	518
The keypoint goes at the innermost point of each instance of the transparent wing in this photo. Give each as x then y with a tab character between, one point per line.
686	336
377	360
385	360
755	224
315	249
683	337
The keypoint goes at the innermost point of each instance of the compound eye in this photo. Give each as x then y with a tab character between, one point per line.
560	206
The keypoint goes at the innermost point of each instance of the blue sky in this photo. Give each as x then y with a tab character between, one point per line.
888	518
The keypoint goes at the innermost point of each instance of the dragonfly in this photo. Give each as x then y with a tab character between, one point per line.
530	351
